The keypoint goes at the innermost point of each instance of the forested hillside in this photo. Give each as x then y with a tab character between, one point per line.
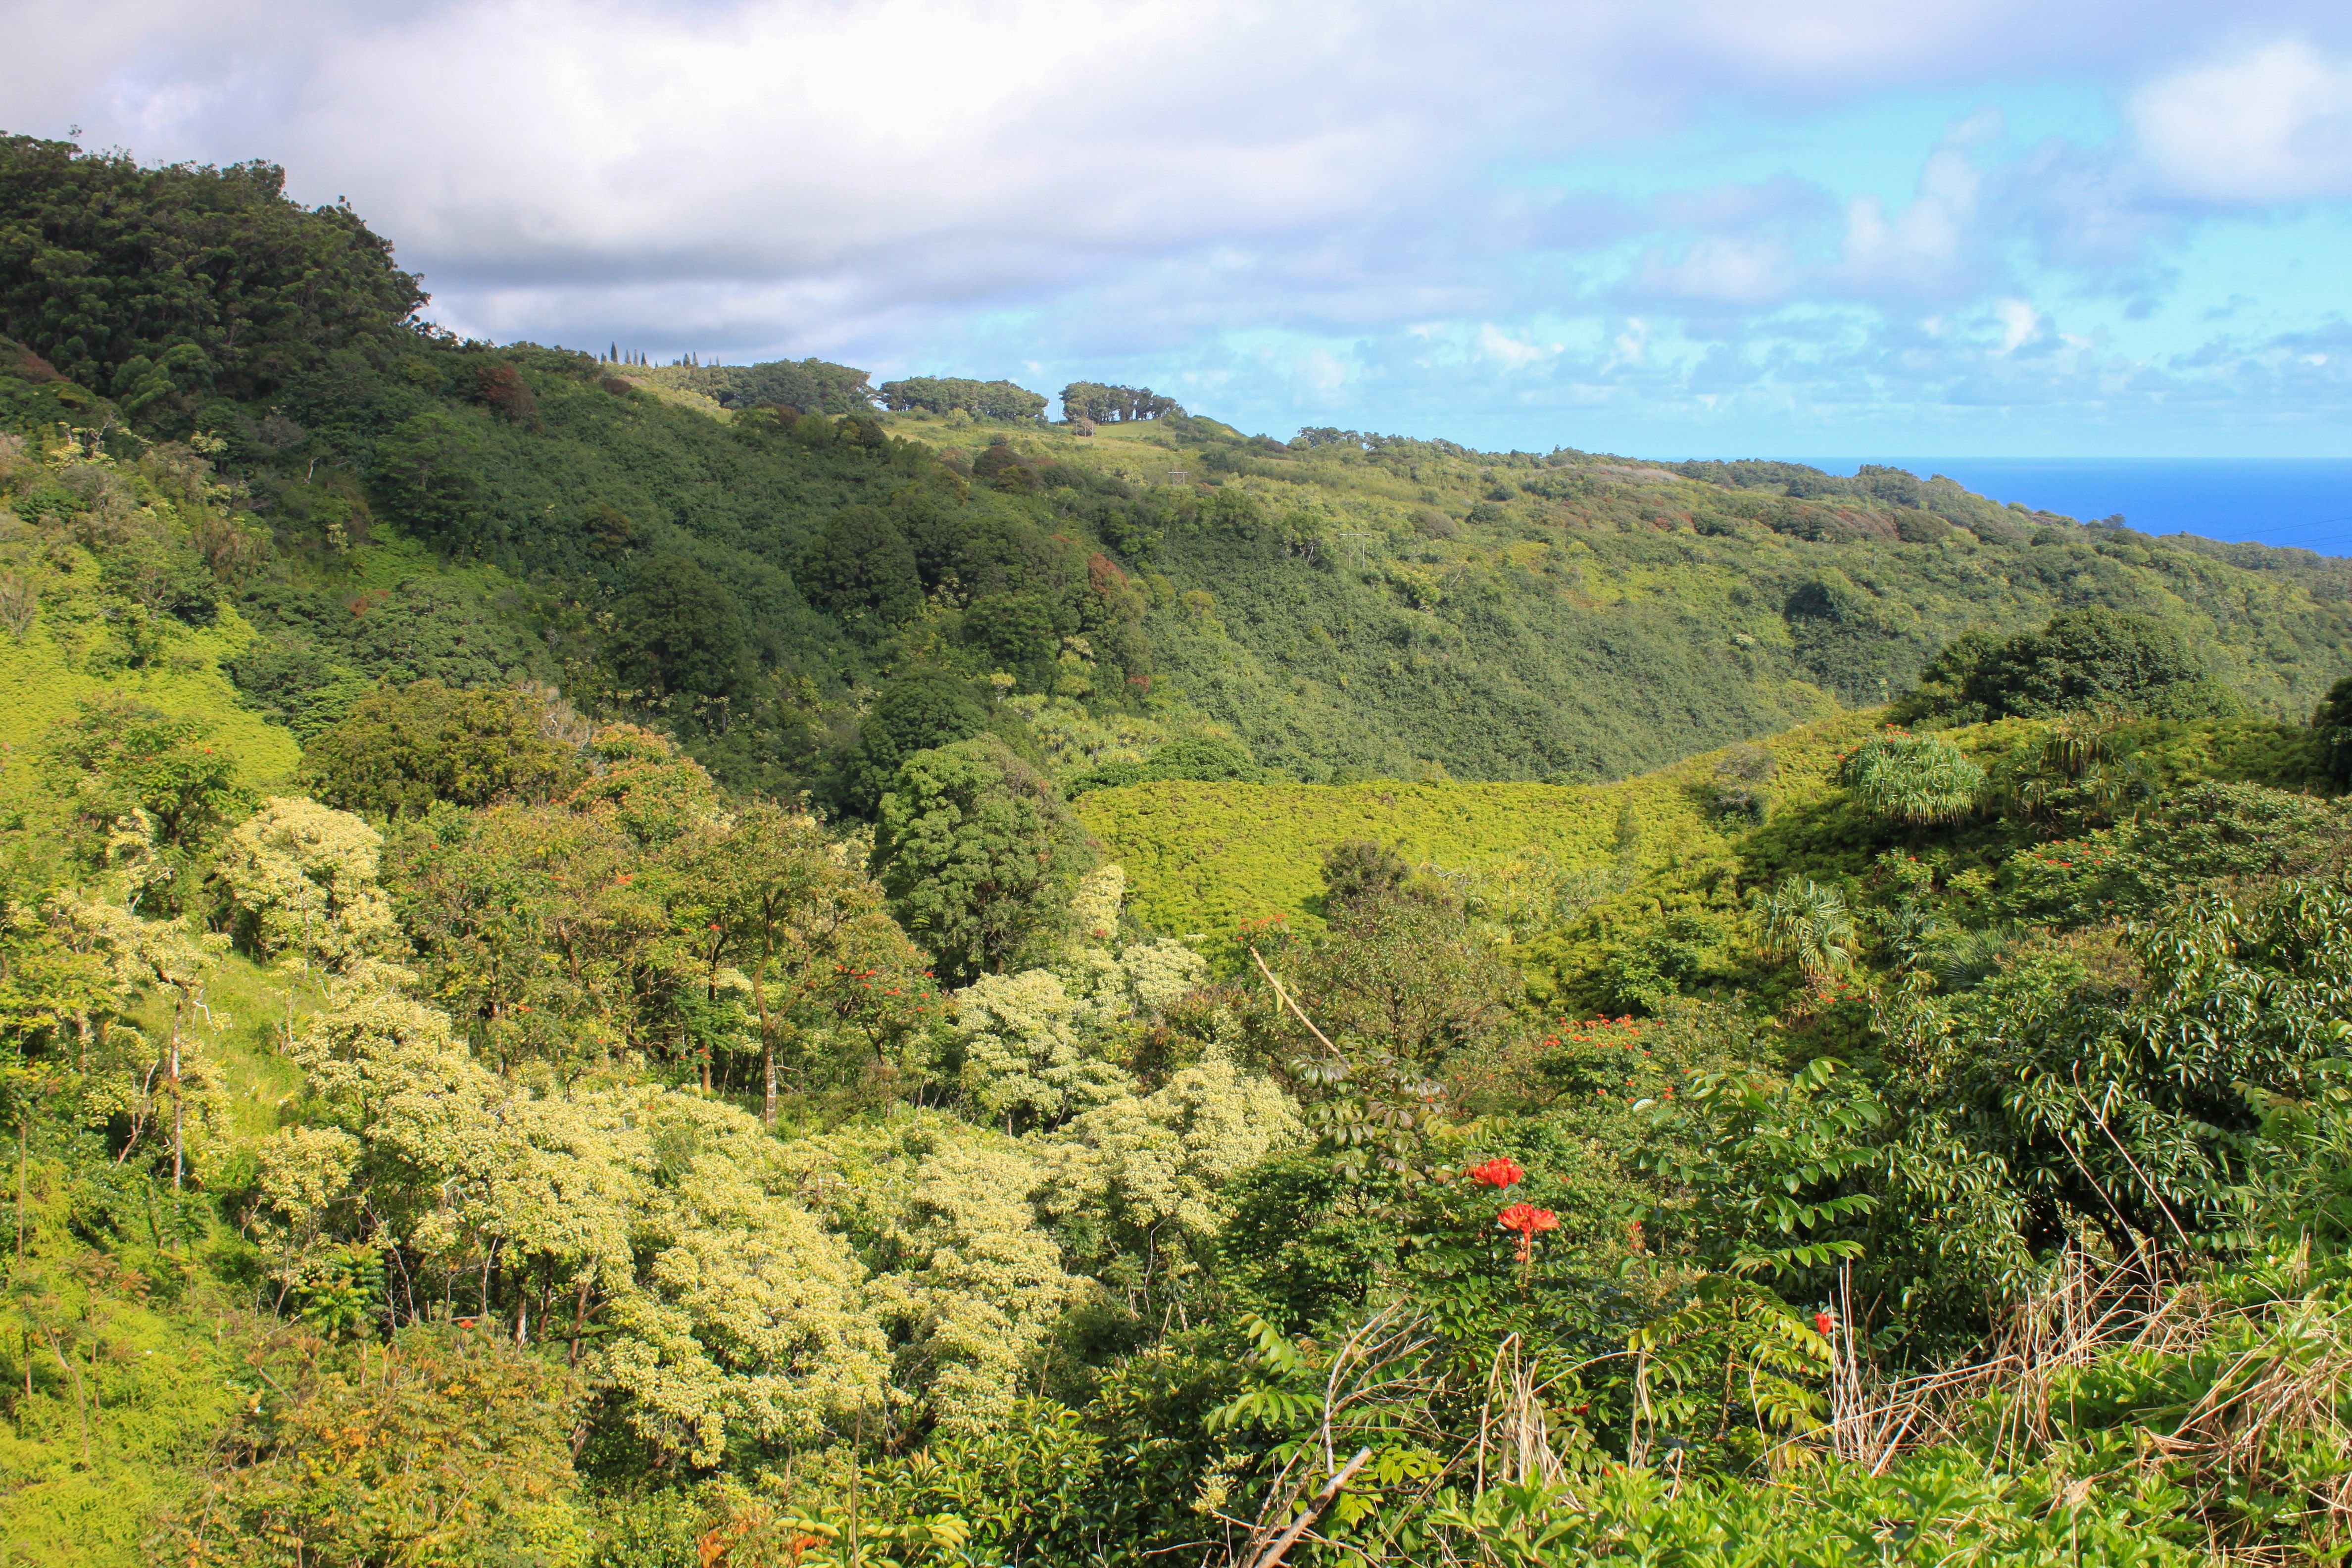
746	556
620	966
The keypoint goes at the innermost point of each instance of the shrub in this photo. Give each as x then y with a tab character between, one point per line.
443	1446
1201	760
1738	789
2091	658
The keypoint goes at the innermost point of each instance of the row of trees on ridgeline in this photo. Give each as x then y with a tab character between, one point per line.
1109	404
1089	400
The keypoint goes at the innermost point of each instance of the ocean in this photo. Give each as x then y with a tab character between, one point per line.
2305	502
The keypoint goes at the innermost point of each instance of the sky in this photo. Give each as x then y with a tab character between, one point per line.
1712	228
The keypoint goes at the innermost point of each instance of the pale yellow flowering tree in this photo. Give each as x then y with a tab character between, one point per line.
970	1280
650	1233
302	878
981	1283
1027	1056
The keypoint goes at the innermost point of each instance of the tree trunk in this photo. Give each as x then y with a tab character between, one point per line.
767	1041
178	1107
579	1317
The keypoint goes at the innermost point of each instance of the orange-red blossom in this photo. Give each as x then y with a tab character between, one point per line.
1528	1221
1502	1170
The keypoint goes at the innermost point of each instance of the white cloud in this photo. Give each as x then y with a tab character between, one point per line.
1722	270
1920	249
1242	192
1633	344
1512	352
2019	323
878	154
2271	125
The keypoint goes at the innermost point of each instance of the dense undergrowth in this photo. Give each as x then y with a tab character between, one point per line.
595	971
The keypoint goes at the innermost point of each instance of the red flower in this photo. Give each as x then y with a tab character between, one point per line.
1527	1220
1500	1172
1824	1323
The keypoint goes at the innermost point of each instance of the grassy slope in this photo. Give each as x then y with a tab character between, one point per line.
1205	856
41	680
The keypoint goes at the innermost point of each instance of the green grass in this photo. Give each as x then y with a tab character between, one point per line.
158	1387
1204	857
40	682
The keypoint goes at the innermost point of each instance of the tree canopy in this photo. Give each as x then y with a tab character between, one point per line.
160	285
400	751
953	394
1104	404
2091	658
979	857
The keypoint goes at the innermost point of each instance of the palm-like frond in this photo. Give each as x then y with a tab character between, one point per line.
1917	779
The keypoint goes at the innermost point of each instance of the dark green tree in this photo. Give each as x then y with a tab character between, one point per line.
677	633
429	469
1020	632
861	569
948	394
978	857
400	751
2093	658
159	284
924	709
806	386
1107	405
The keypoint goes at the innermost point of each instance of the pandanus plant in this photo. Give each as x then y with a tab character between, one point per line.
1913	779
1804	922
